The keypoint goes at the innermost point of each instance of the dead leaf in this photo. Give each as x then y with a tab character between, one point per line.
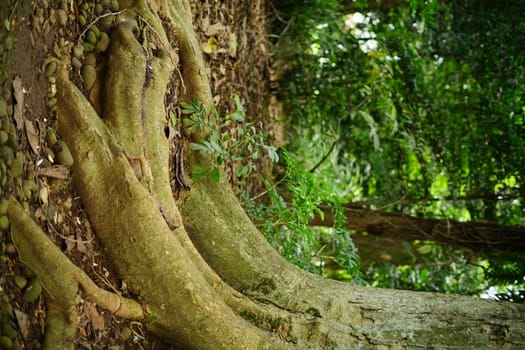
82	328
205	23
19	93
214	29
23	322
32	136
81	245
39	214
232	50
70	243
91	312
55	171
43	193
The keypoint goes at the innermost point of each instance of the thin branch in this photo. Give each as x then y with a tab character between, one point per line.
167	51
332	147
96	20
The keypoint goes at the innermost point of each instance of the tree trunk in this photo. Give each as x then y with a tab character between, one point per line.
484	237
201	275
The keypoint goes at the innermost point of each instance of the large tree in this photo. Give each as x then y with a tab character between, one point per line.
200	274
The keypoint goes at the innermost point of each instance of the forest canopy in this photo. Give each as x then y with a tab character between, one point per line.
414	108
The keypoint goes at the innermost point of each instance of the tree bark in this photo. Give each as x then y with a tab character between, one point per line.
201	274
484	237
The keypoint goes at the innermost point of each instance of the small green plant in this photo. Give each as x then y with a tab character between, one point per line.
232	139
286	224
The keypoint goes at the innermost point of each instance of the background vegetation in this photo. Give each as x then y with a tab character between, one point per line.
415	108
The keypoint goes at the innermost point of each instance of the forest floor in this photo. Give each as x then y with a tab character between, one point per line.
234	38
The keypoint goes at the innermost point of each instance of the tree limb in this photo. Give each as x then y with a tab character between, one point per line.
478	236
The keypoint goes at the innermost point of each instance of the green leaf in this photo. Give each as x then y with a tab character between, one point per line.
272	153
200	173
217	148
369	120
173	119
214	137
188	123
238	104
187	108
241	171
199	147
215	174
424	249
237	116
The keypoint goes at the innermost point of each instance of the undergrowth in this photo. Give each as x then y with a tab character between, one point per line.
283	213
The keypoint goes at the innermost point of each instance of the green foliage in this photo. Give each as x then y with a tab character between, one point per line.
232	139
409	100
285	222
418	109
434	268
508	272
455	99
506	268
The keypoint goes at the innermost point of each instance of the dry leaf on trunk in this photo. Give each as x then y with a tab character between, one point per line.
55	171
91	312
19	93
23	322
32	136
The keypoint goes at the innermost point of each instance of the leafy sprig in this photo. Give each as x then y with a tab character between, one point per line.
246	144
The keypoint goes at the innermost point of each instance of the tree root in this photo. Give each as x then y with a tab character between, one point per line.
182	297
339	313
62	290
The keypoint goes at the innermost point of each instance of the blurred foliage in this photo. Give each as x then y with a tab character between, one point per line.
434	268
416	109
414	101
508	272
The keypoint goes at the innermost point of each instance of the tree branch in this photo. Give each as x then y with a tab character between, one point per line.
478	236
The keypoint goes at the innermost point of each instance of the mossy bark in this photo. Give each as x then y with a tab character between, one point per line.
62	290
341	315
204	276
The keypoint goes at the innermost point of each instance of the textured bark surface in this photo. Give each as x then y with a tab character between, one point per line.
202	275
342	316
